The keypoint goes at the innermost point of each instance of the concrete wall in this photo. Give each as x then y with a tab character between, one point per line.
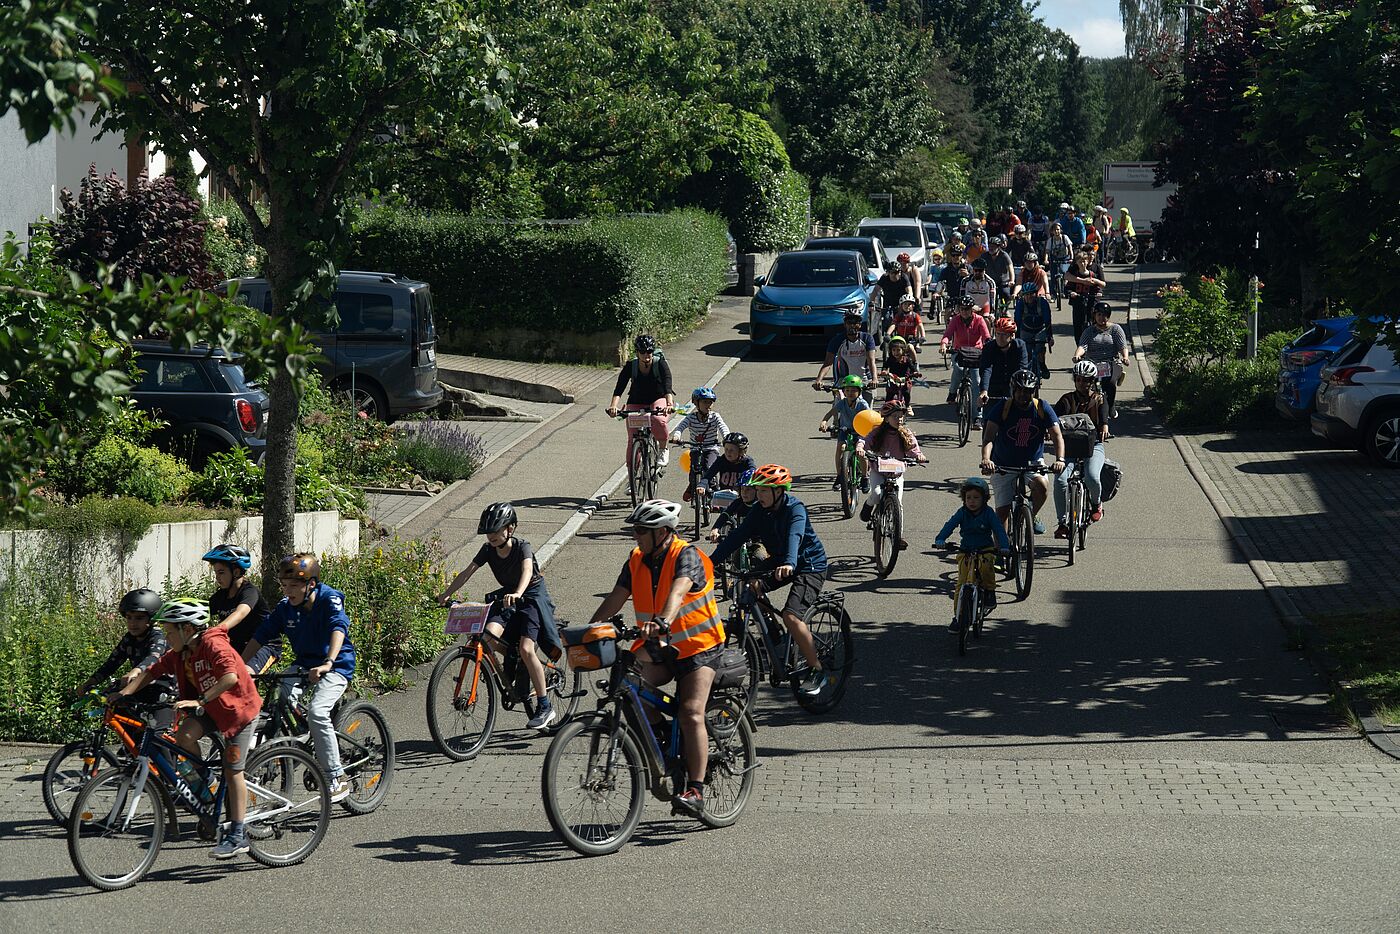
27	176
166	552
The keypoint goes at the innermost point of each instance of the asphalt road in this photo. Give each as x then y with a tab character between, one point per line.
1132	748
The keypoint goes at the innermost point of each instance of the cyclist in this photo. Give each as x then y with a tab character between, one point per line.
907	323
140	647
1123	228
976	244
890	438
706	428
218	693
726	470
981	287
1015	436
1005	355
893	286
955	273
1083	288
916	278
671	584
967	332
312	617
1073	226
904	367
1020	246
781	524
1103	224
1033	319
843	411
237	605
1000	268
1040	229
734	513
1085	399
1059	254
650	377
979	529
850	353
1105	345
531	620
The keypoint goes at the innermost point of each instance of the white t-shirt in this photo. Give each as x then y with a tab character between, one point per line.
980	289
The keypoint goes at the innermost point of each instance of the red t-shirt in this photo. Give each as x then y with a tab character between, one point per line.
197	669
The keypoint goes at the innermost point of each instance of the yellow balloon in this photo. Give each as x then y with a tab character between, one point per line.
685	460
865	422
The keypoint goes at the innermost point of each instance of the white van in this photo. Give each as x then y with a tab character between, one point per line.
900	235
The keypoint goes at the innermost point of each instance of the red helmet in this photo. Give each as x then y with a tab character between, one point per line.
1006	326
903	257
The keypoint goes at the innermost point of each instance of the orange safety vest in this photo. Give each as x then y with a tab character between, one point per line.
697	625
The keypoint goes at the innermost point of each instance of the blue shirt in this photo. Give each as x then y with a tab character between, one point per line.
309	628
977	530
1020	439
846	413
785	530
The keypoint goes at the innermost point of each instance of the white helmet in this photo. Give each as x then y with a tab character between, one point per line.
1099	208
1020	228
1064	205
656	514
1085	368
184	611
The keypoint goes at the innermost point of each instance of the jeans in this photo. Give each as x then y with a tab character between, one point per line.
324	694
1092	488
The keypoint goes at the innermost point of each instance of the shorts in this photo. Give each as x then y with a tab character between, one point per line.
1004	487
235	748
681	667
523	620
806	588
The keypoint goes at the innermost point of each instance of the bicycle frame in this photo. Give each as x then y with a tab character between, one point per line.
750	607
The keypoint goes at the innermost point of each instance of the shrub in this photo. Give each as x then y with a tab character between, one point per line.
115	466
1198	324
229	478
441	451
1225	394
230	241
840	207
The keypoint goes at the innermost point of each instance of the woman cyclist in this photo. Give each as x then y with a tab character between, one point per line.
651	391
1085	399
1059	253
1104	344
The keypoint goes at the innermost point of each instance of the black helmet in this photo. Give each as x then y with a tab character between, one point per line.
496	517
645	343
853	314
144	600
1025	379
737	437
1103	308
979	263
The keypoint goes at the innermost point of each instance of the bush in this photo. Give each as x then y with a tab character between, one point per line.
531	291
230	478
1225	394
229	238
441	452
1198	324
98	516
840	207
116	467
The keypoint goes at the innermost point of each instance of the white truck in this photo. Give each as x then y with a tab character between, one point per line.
1131	185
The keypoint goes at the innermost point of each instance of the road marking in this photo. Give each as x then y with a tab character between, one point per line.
600	496
1139	351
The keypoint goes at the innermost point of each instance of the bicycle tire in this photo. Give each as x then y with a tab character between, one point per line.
753	659
888	525
967	614
964	414
1025	557
848	483
67	771
831	630
565	688
451	722
608	837
701	511
1076	506
634	459
647	488
86	829
363	723
729	772
1082	533
294	771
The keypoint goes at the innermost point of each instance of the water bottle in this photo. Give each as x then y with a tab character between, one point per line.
192	778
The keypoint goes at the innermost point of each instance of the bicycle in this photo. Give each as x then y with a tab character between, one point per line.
970	610
361	732
743	557
1021	528
700	504
120	819
852	475
770	651
937	303
643	455
462	717
599	766
887	518
965	394
72	766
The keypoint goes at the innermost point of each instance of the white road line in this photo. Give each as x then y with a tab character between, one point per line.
1139	351
560	538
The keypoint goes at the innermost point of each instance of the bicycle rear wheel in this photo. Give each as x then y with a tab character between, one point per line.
67	771
115	835
1076	513
1024	551
289	803
831	631
730	769
461	704
366	754
593	788
964	415
888	526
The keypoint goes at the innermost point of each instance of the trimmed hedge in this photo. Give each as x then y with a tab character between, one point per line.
533	291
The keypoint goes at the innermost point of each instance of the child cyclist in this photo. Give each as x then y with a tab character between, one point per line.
732	514
901	369
237	605
706	428
889	439
218	696
524	616
980	530
841	418
726	470
907	323
313	618
141	647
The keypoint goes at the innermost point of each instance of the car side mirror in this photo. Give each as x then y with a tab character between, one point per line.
759	280
871	277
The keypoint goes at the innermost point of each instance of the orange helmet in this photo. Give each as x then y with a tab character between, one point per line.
1006	325
299	567
772	475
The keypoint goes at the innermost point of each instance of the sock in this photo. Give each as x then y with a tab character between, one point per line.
235	828
697	787
543	702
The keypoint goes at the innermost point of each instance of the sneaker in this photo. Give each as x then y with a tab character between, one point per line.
977	424
955	625
340	790
1038	526
815	683
1097	514
542	718
1113	412
690	801
230	846
836	485
865	484
665	457
1062	531
865	513
989	599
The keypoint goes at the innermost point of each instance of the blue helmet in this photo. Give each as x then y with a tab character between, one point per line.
230	554
704	392
746	476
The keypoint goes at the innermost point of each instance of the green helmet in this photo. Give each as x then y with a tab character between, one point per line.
852	382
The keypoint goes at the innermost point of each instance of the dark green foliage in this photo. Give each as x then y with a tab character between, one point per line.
440	451
839	206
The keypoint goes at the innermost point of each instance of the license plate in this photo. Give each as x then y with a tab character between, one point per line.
432	355
466	618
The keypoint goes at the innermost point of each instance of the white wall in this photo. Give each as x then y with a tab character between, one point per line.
87	146
26	178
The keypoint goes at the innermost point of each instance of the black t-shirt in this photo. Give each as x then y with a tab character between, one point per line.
221	605
646	387
892	290
687	565
507	569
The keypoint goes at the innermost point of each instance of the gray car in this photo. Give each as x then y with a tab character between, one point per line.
384	351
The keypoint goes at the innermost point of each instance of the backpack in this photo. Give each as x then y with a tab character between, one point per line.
1079	434
656	357
1033	317
1111	479
1044	409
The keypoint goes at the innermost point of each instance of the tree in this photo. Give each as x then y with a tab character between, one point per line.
44	72
1078	123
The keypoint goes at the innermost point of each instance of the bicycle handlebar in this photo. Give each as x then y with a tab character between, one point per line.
622	413
1036	468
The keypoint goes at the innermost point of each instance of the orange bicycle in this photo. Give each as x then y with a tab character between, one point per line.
74	765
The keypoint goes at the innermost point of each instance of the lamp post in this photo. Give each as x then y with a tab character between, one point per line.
889	201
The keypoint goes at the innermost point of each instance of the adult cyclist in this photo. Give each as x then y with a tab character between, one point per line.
850	353
967	332
651	390
1015	436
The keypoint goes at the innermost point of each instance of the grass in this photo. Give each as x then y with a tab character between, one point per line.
1367	646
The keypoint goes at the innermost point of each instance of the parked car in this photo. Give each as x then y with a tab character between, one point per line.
949	214
870	249
806	294
936	234
383	354
1301	363
206	400
899	235
1358	402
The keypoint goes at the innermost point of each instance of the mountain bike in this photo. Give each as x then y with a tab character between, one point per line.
1021	527
74	765
643	455
769	648
965	395
600	765
120	819
970	608
699	504
852	476
887	518
469	683
361	732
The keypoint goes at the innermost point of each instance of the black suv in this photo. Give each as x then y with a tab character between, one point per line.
384	352
203	395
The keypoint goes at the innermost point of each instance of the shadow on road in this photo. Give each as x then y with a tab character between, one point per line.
497	848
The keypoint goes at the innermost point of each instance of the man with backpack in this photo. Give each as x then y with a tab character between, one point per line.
1015	435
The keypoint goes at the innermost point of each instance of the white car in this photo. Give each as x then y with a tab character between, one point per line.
1358	401
900	235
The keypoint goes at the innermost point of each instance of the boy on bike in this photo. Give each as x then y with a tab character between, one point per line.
219	697
979	530
725	472
907	323
524	616
1032	318
842	417
237	605
141	647
889	439
850	353
734	513
706	428
1005	355
312	617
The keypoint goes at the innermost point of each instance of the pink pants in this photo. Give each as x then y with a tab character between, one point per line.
658	427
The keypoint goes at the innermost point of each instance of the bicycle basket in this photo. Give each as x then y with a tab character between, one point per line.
731	669
591	648
890	466
720	500
1079	434
638	420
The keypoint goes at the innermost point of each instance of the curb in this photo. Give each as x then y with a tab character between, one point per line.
27	753
428	501
1144	368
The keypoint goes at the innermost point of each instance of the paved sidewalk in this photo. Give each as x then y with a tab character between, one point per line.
558	383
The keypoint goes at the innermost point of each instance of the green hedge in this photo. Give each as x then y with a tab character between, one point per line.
533	291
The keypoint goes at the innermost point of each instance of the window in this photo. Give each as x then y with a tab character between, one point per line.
814	269
167	374
372	314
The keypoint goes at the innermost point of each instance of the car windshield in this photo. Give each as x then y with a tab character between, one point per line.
814	269
892	237
865	248
946	218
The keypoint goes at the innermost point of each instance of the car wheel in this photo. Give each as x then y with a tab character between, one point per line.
364	397
1382	437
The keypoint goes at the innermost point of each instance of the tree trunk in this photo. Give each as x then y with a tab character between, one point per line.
279	465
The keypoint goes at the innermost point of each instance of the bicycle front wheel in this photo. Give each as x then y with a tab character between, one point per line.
67	771
732	760
1025	551
366	754
114	834
1076	513
461	704
593	786
888	529
964	416
967	615
289	803
831	632
636	467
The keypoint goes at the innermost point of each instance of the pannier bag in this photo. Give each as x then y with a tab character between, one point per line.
733	668
1079	433
591	648
1111	478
